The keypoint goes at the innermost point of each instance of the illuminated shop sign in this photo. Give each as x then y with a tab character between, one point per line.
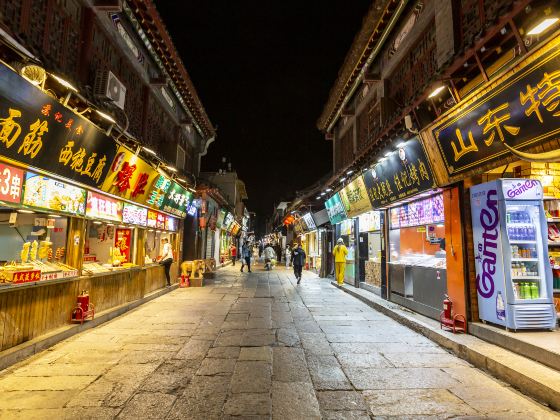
355	198
157	192
135	215
11	184
510	113
309	222
370	221
130	176
102	207
228	221
37	130
171	224
152	219
220	219
402	174
177	200
335	209
48	193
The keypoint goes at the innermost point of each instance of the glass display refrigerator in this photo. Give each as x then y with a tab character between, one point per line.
513	272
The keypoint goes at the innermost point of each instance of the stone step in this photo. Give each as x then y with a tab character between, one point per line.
529	376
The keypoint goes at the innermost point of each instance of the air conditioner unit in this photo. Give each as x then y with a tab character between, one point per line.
108	86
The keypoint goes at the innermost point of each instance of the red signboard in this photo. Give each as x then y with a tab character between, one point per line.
26	276
122	242
11	181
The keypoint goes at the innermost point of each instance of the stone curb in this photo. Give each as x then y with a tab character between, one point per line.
528	376
22	351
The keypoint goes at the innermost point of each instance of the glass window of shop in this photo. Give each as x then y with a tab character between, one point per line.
370	247
416	251
346	232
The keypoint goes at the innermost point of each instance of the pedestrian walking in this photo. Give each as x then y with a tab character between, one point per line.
233	253
298	261
246	257
288	255
269	256
166	259
340	252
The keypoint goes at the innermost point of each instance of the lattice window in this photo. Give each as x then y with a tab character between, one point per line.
474	16
362	125
347	147
414	72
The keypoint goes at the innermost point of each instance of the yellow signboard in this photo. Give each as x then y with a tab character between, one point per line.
355	198
129	176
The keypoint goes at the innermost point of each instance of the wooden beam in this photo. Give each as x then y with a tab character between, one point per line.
108	5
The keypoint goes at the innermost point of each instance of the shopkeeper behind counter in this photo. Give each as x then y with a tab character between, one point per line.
166	258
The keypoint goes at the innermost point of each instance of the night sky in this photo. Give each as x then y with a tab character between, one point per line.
263	71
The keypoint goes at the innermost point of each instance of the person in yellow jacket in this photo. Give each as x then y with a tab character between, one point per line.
340	252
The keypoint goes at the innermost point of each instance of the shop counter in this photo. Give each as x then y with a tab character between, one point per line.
33	309
419	288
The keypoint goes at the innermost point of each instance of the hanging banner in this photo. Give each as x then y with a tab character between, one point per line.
11	183
39	131
355	198
514	111
402	174
220	219
102	207
122	242
50	194
309	222
335	209
130	177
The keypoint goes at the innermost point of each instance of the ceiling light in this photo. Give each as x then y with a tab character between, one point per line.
147	149
56	216
543	26
63	82
105	116
191	189
350	172
318	197
181	180
323	193
436	91
95	222
25	211
171	168
342	179
328	190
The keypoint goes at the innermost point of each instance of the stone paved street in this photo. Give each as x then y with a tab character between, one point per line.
255	346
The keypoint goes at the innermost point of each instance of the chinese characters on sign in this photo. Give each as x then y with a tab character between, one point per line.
11	183
416	213
355	198
48	193
135	215
518	109
401	175
177	200
38	131
309	222
335	209
102	207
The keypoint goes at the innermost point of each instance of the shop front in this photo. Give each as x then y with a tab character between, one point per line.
370	242
80	213
502	144
337	215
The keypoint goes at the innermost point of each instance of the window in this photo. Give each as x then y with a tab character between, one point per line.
180	164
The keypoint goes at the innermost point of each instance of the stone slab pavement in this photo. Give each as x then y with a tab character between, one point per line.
255	346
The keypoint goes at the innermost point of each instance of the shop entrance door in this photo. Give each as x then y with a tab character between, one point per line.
363	255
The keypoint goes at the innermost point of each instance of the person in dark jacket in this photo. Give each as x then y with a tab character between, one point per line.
298	261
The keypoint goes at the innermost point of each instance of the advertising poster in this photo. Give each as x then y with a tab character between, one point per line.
50	194
122	242
355	198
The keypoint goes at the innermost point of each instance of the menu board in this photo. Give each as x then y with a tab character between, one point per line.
160	221
370	221
130	176
228	221
103	207
11	183
135	215
151	218
50	194
417	213
171	224
355	198
335	209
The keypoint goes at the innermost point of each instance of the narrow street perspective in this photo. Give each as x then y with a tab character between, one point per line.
255	346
